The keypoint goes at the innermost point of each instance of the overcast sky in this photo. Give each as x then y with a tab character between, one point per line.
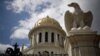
17	17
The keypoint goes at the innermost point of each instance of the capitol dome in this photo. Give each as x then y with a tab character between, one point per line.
47	35
47	21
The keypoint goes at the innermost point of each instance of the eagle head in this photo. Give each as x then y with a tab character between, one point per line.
75	5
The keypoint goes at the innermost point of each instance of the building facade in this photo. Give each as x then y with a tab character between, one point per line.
47	36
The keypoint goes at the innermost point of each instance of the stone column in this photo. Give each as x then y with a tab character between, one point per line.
34	39
56	40
84	43
43	37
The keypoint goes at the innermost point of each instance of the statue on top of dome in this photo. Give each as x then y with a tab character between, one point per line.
78	18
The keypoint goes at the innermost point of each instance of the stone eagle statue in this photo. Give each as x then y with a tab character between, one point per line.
78	18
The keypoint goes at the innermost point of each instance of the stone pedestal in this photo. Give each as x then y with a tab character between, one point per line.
84	43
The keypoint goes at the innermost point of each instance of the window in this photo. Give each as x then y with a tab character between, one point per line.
46	36
40	37
39	53
52	37
58	37
52	53
45	53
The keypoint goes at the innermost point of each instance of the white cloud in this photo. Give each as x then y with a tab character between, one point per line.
22	5
20	33
3	47
56	10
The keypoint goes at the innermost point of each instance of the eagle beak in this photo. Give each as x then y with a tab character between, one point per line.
69	5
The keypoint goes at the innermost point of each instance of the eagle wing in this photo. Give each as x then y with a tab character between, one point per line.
68	18
88	17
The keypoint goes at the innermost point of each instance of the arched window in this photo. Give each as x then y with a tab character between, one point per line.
39	53
52	53
46	36
52	37
45	53
40	37
58	36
